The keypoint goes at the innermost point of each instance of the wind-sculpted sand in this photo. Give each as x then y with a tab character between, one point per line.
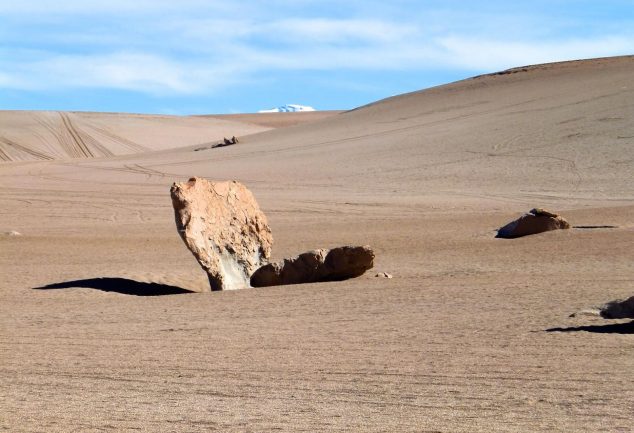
103	326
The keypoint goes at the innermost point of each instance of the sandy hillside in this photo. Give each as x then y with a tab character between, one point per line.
52	135
471	335
278	120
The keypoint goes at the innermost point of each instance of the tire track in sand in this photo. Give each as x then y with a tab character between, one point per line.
127	143
56	131
91	143
5	156
79	149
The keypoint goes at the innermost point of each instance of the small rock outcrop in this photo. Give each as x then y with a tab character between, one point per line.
618	309
536	221
226	142
319	265
223	226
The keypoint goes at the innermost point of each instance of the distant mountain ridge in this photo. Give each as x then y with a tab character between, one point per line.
288	108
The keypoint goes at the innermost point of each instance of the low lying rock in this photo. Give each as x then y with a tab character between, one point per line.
618	309
383	275
223	226
536	221
319	265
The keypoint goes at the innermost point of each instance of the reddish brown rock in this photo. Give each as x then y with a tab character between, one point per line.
618	309
536	221
319	265
223	226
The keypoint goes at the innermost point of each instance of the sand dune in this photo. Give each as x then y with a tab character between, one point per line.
550	131
550	134
278	120
50	135
471	335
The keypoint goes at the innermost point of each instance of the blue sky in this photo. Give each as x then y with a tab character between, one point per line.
195	56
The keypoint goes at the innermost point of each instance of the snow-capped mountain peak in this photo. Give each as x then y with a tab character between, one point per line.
288	108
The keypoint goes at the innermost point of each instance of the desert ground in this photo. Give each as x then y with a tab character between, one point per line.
472	333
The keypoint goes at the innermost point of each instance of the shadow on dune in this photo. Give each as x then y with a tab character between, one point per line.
613	328
119	285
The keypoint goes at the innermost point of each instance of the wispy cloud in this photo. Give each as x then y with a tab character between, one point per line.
93	7
163	47
140	72
338	31
483	54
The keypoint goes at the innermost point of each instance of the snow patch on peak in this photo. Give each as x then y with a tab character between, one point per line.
288	108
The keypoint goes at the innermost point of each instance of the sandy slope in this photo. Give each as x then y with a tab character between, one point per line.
459	340
278	120
49	135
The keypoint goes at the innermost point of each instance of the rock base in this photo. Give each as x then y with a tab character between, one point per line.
319	265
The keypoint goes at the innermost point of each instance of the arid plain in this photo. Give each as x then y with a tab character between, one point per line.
472	334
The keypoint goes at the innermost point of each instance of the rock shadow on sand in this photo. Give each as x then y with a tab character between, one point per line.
613	328
119	285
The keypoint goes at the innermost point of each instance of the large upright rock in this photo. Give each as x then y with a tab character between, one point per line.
319	265
223	226
536	221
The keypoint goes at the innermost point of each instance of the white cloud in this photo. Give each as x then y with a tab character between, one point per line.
483	54
160	74
338	31
197	46
93	7
306	32
408	54
128	71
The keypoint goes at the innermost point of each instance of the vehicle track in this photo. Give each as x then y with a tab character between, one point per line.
56	132
4	156
129	144
149	172
19	147
77	143
91	142
80	149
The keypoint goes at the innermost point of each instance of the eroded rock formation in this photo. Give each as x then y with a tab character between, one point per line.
223	226
536	221
319	265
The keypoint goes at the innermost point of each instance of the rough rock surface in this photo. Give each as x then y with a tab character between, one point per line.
319	265
223	226
536	221
618	309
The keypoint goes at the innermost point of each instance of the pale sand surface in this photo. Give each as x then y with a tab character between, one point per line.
277	120
457	341
49	135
